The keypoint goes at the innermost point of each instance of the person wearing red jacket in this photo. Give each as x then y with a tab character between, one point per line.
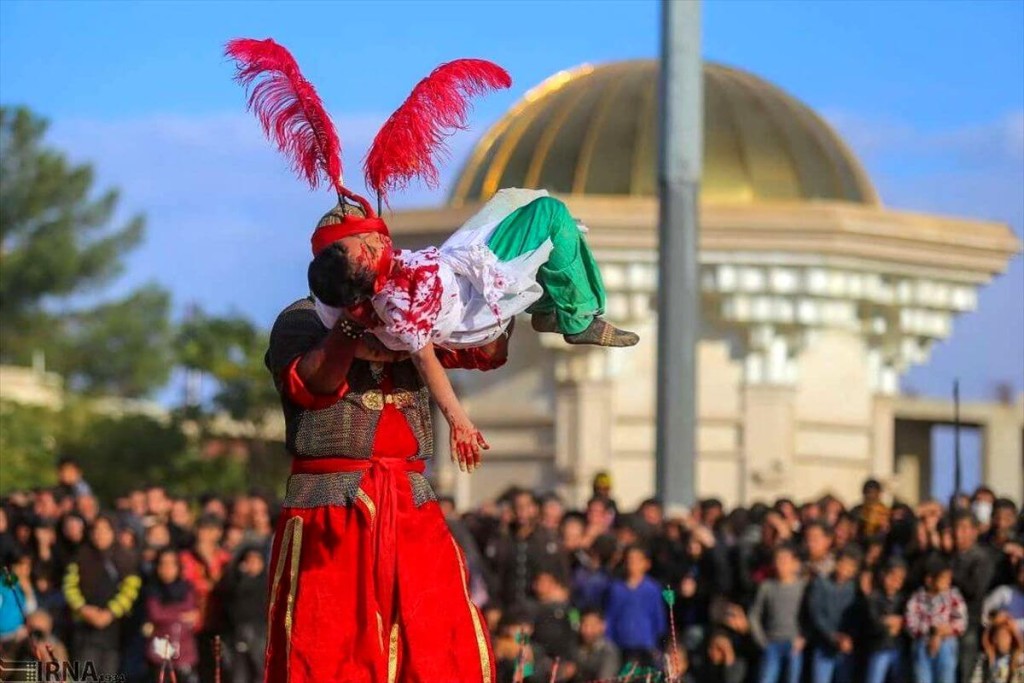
172	616
367	582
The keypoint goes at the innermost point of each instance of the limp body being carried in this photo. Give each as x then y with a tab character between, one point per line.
523	252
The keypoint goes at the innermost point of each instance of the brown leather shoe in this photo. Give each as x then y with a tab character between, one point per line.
602	333
544	322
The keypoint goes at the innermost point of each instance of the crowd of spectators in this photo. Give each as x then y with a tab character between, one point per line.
811	592
144	586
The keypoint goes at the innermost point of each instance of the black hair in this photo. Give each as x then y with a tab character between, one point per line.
871	485
961	516
334	281
524	492
1004	503
786	547
573	515
936	564
67	460
850	552
595	611
983	489
818	524
547	497
894	563
639	548
709	503
556	576
209	520
604	547
167	550
514	616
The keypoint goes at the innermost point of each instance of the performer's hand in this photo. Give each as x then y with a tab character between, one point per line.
466	444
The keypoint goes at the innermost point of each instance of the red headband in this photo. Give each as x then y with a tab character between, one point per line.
350	225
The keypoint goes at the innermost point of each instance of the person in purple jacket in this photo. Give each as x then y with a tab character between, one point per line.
171	617
635	612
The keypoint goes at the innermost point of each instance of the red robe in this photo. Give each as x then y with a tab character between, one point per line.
376	591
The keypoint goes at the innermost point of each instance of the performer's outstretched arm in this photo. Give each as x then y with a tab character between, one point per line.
466	441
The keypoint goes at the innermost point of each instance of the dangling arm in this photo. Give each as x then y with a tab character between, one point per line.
466	441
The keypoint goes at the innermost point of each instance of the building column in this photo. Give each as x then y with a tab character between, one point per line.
769	441
913	446
883	435
1002	457
584	421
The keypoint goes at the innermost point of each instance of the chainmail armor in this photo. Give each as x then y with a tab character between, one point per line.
347	428
422	491
318	490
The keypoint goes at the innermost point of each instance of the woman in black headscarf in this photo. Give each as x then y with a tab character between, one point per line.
101	585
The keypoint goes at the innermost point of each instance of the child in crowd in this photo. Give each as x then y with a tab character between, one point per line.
171	617
817	537
13	604
518	659
1003	645
936	616
553	616
597	658
883	612
591	578
831	615
636	612
775	619
243	593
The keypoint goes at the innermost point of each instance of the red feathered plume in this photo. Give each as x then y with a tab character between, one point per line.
289	109
407	145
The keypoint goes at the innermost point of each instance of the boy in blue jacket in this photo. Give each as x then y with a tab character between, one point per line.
832	617
635	612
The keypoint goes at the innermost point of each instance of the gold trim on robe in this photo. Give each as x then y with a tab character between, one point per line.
368	502
481	641
393	654
291	541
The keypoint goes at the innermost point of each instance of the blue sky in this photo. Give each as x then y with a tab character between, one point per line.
930	95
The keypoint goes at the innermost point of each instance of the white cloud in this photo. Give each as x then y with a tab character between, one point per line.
985	143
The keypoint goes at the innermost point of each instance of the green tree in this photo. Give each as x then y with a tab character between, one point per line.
229	349
120	452
56	241
122	347
27	446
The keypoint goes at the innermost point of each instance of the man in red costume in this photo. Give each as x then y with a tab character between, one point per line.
343	607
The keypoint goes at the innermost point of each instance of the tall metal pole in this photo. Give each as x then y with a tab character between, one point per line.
957	481
681	153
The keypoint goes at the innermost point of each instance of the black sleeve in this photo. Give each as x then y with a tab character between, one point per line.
976	576
870	611
296	331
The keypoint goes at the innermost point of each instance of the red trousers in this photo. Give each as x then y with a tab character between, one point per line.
372	592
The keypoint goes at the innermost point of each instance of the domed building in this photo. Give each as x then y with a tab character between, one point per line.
815	298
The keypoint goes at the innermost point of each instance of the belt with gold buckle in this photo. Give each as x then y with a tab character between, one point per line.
375	399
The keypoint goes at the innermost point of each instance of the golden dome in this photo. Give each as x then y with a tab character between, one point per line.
591	130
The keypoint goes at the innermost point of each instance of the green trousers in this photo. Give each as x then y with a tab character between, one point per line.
572	284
